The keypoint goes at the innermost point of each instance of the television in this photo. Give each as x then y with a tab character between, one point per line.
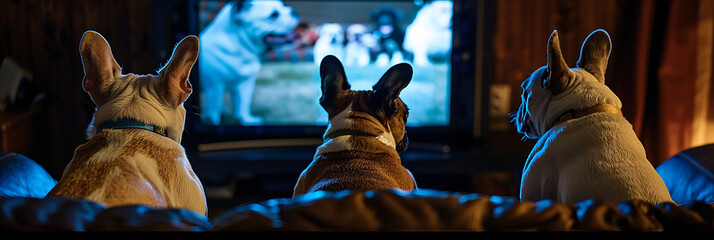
278	109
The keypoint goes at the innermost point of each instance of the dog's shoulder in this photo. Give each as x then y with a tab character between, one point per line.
118	156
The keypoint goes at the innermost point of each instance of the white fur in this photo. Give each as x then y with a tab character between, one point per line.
593	157
544	109
140	104
330	42
231	49
430	33
341	143
609	163
387	138
359	42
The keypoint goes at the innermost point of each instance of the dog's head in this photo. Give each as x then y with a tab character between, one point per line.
152	99
556	88
371	112
263	18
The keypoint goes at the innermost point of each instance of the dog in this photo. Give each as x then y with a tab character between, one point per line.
586	149
331	41
364	136
429	35
359	43
389	35
133	155
231	50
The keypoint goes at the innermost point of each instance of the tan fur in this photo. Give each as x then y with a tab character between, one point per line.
118	167
359	160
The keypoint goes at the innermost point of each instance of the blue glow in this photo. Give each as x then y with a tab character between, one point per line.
278	80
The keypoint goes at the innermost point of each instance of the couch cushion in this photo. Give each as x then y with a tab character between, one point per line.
688	175
22	177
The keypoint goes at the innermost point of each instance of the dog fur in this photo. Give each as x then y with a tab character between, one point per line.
429	35
593	156
331	41
365	134
134	166
233	44
359	43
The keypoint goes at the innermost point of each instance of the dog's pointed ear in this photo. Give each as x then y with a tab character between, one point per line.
100	67
334	80
595	53
559	77
387	89
176	72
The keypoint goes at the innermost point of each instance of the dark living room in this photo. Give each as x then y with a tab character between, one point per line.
468	140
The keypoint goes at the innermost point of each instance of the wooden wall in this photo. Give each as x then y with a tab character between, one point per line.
43	36
523	27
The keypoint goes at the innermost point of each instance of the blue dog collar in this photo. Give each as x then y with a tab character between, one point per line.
129	123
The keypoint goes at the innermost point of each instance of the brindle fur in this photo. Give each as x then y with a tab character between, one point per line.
368	164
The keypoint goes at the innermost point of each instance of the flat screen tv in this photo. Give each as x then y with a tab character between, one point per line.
256	83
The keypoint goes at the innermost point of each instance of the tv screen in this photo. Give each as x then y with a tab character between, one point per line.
259	60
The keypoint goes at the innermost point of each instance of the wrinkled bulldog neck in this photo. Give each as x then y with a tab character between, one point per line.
342	125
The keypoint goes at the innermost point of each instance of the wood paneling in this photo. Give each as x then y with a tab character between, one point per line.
43	36
524	26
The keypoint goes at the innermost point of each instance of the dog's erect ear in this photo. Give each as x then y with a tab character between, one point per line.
559	77
176	72
334	80
594	54
387	89
100	68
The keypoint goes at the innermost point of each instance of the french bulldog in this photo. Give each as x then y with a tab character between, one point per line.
429	35
231	49
364	136
133	155
586	149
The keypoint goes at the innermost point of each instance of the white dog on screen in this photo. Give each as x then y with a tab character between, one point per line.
586	148
359	42
231	49
331	41
430	34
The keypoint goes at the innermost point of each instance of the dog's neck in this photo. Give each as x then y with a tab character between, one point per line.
340	130
573	114
130	123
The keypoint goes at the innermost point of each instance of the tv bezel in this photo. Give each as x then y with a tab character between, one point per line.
467	120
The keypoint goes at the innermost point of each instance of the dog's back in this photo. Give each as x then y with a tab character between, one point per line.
359	154
586	148
131	166
133	155
610	163
366	133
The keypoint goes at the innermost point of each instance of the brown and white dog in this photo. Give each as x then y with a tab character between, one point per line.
133	155
586	148
365	134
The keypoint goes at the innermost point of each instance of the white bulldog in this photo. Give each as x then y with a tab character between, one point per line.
231	49
331	41
586	148
430	33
